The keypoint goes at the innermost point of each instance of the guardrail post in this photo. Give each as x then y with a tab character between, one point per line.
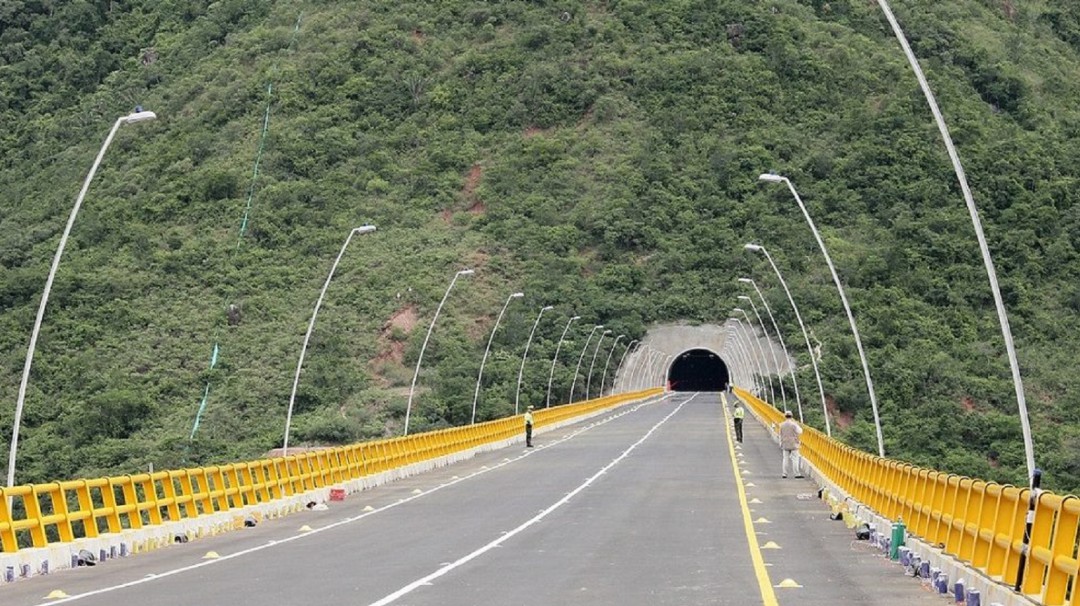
1033	498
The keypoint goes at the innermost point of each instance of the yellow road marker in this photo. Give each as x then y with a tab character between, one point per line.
762	521
770	545
789	584
417	491
369	508
211	555
56	594
304	528
755	501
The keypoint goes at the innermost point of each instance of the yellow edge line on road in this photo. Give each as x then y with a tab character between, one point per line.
768	596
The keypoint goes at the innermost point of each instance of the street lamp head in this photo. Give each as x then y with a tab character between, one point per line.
547	308
363	229
139	116
753	247
575	318
608	331
744	298
598	326
770	178
517	295
466	272
746	280
739	310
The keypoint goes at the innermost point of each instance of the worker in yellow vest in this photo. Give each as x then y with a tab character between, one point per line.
738	414
528	426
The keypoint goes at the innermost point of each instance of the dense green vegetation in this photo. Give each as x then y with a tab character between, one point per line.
599	156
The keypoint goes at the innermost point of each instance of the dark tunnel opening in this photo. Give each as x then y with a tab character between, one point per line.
698	370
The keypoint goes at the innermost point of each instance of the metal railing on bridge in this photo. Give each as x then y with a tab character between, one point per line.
979	523
62	512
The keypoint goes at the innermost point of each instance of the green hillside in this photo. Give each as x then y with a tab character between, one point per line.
600	156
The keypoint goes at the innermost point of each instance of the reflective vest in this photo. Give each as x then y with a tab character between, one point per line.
528	418
739	412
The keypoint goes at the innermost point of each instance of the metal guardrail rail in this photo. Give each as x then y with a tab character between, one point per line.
981	524
63	512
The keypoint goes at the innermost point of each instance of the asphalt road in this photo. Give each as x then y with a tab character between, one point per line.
653	504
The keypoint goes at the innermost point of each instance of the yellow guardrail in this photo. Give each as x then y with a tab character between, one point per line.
979	523
65	511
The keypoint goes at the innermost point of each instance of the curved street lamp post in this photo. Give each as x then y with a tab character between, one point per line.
646	367
843	299
739	351
311	327
780	337
806	335
762	361
988	262
772	350
420	358
580	358
521	371
483	361
618	368
603	377
138	116
551	375
755	361
658	374
588	378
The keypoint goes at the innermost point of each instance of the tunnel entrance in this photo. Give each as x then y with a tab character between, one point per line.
698	370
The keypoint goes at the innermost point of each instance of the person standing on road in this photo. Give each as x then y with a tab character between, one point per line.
738	415
789	444
528	426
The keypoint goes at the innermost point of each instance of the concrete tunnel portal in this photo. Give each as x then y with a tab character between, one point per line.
697	370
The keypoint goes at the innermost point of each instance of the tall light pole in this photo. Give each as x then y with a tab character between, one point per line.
137	116
588	379
618	368
806	335
551	375
748	356
580	358
739	351
483	361
780	337
652	376
311	326
762	362
603	377
772	350
843	299
420	358
662	371
647	378
636	364
988	262
521	371
755	361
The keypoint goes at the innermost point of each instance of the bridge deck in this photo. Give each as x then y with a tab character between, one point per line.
641	507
